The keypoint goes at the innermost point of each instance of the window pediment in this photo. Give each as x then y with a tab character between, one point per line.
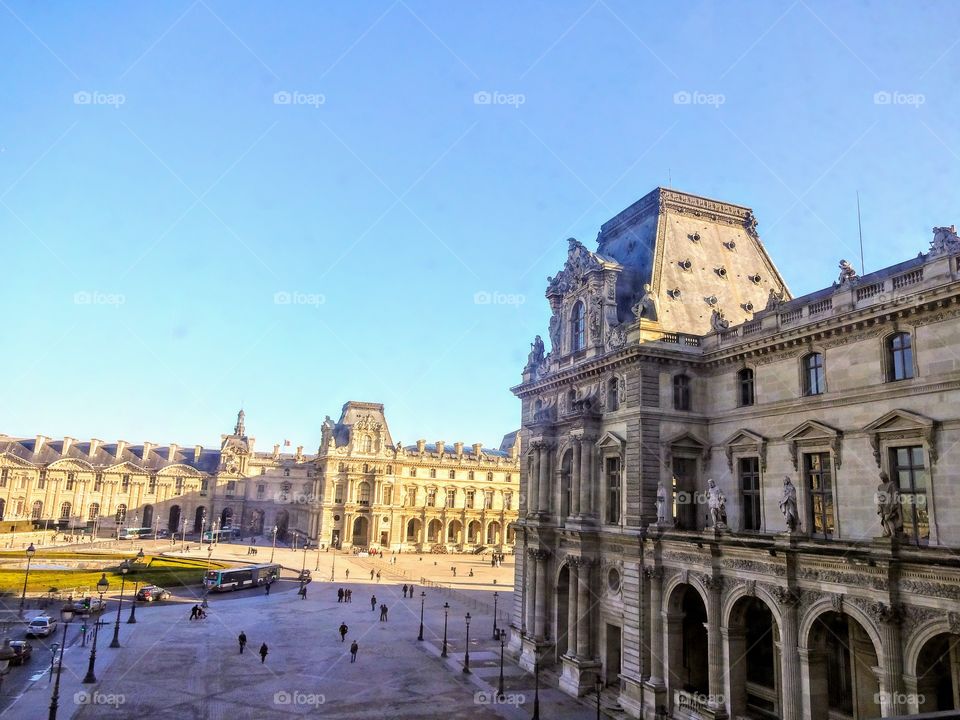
811	432
8	460
905	424
744	439
611	442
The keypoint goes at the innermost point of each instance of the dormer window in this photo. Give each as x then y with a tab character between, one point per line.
578	327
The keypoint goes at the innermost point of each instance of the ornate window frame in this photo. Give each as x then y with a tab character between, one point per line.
611	445
812	436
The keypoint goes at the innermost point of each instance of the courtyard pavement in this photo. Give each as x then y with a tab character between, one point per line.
171	667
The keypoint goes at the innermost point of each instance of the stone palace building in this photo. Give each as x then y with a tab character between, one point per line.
737	503
359	491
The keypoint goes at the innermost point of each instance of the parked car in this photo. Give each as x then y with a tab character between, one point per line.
93	605
163	534
149	593
41	626
21	651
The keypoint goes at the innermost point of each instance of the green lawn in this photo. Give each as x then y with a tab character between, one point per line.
169	572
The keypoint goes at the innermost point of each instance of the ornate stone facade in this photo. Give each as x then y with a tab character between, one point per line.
722	375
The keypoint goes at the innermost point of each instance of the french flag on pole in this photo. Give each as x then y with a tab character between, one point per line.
286	443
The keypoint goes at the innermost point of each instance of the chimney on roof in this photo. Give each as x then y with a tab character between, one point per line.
67	444
441	446
147	447
196	452
477	447
421	446
276	451
94	446
41	439
172	452
121	446
458	448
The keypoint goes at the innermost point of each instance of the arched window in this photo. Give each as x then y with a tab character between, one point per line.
368	444
121	513
681	392
613	395
364	493
745	386
65	509
899	357
37	511
489	477
814	379
433	472
452	474
93	512
578	327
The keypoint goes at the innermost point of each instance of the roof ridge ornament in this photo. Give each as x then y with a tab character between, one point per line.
945	241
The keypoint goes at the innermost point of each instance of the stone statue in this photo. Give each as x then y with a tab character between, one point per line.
717	504
888	506
774	299
717	321
617	337
661	503
555	331
788	505
846	272
944	241
536	352
647	306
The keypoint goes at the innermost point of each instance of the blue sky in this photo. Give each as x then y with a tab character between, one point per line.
204	204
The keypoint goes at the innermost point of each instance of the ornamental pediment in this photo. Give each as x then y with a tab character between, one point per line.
71	464
687	439
899	420
8	460
745	437
180	469
580	263
612	441
811	429
126	467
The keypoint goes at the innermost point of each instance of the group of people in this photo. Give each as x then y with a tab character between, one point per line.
344	595
496	559
242	639
197	613
383	607
408	589
377	575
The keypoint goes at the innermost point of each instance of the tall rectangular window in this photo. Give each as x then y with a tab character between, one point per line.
451	498
899	357
814	379
819	477
152	485
470	496
387	495
749	470
178	486
3	477
125	484
745	385
681	392
431	498
613	490
911	475
98	482
508	501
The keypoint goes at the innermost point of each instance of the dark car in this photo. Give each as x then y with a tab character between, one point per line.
21	651
149	593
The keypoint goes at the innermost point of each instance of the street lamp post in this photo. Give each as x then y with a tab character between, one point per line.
102	586
303	566
274	548
133	604
598	686
66	614
495	633
466	650
124	569
423	597
23	596
446	609
536	686
500	684
333	565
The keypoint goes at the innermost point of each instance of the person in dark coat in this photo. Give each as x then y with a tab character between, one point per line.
373	603
343	631
263	653
339	595
268	586
383	613
242	640
353	651
404	590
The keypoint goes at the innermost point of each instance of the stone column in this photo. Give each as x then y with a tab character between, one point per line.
573	567
543	504
575	477
530	596
540	605
658	661
888	619
583	609
533	479
791	705
586	475
714	585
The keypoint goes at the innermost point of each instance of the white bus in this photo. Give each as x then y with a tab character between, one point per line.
241	577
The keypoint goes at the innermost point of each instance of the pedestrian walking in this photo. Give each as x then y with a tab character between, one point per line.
343	631
243	641
373	603
378	576
303	591
263	653
339	595
353	651
349	596
404	590
347	573
371	574
193	612
383	613
268	587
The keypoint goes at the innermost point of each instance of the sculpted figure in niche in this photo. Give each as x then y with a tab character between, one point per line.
788	505
647	306
717	504
661	503
555	331
536	352
888	506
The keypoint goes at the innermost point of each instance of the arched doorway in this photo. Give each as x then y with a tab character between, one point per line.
686	631
454	530
255	524
562	609
282	523
473	532
493	533
433	531
148	516
752	638
361	531
173	519
199	519
938	673
226	518
841	658
413	530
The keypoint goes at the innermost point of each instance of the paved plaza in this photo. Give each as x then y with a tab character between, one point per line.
172	667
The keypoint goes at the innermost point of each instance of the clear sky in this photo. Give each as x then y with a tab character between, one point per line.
291	205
